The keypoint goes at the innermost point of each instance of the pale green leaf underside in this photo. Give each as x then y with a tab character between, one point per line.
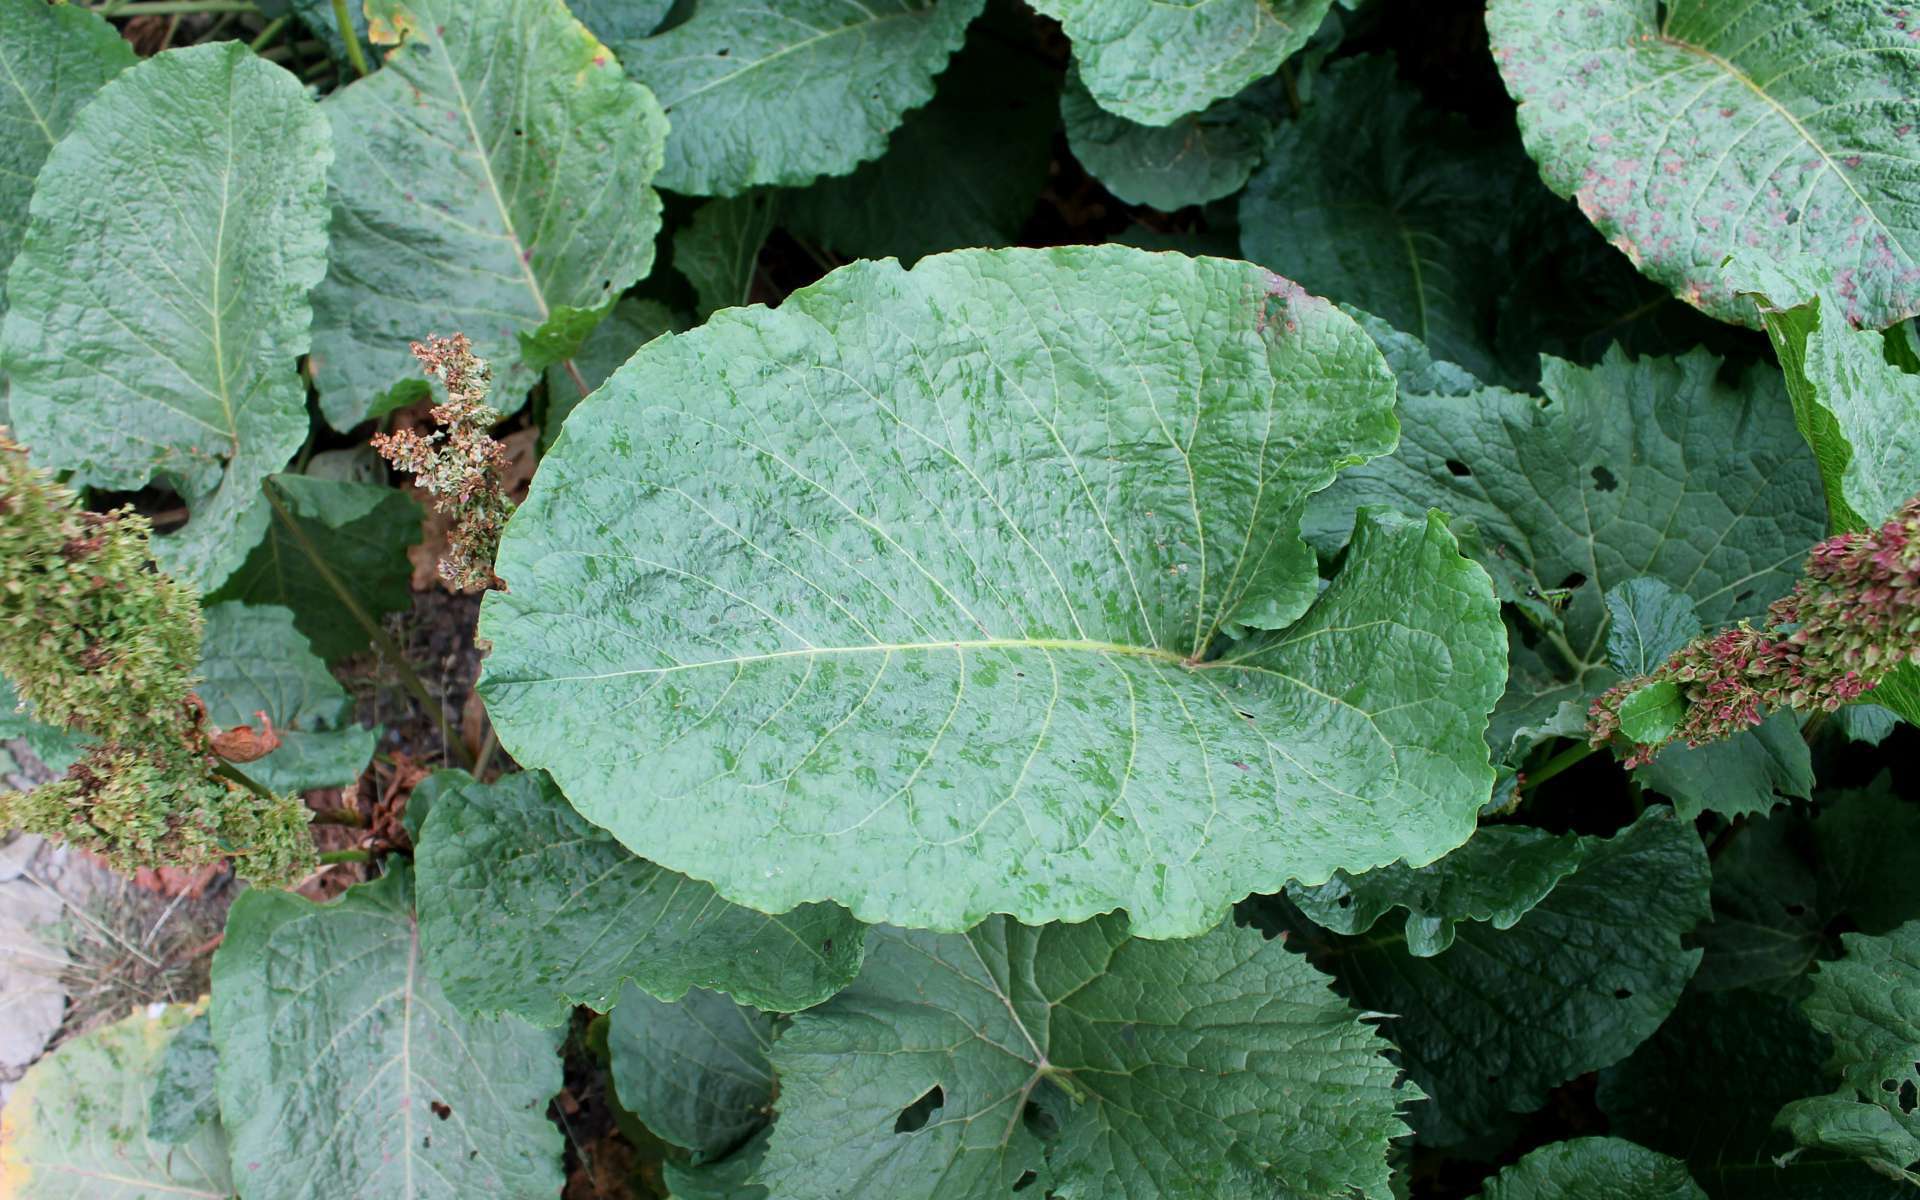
783	97
1217	1067
694	1071
77	1125
1690	129
1865	1002
490	177
253	660
1200	157
894	599
53	59
528	909
1152	62
159	301
1594	1168
335	1047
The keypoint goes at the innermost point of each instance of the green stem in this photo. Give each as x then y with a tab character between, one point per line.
269	33
1576	753
166	8
329	857
347	35
226	771
385	645
339	816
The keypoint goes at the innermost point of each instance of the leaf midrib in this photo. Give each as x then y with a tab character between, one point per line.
782	52
956	645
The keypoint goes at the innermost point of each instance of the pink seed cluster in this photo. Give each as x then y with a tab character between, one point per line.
1853	618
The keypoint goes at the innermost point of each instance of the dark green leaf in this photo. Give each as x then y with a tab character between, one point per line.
1747	773
1647	620
1594	1168
1199	157
528	909
718	250
183	1101
694	1071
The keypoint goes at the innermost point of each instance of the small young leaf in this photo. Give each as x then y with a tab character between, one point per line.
526	908
694	1071
1594	1168
1650	714
718	250
159	300
1647	620
344	1071
632	324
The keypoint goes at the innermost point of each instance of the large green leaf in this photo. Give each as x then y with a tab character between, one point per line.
253	660
493	179
1656	468
1750	772
328	537
1594	1168
615	21
1866	1003
719	249
1707	1086
1693	128
345	1072
1200	157
963	171
784	98
929	619
632	324
159	299
77	1124
53	58
1378	199
1488	1026
526	908
1086	1063
1496	877
1152	62
183	1100
694	1071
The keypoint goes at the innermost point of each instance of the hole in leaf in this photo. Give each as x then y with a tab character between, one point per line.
1743	597
1345	902
916	1115
1460	470
1908	1100
1025	1181
826	947
1889	1085
1603	480
441	1109
426	1143
1622	994
1796	910
1039	1122
1573	580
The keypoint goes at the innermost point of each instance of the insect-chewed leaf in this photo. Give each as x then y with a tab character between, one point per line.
345	1072
159	301
857	600
525	201
1689	129
1086	1063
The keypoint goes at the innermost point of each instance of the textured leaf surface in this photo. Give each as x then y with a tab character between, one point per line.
1707	1086
1196	1067
763	98
183	1100
1647	620
53	58
1694	128
357	533
77	1124
893	600
1653	468
616	21
1152	62
718	250
632	324
528	909
1748	773
524	196
1377	199
1497	877
345	1072
695	1071
731	1178
1594	1168
253	660
1869	1003
159	300
1200	157
963	171
1502	1016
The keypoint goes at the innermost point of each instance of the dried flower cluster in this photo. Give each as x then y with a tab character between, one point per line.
1852	619
94	639
460	464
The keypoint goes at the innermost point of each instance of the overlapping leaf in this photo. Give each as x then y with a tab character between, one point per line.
892	598
632	324
526	908
53	58
759	97
1377	199
159	300
718	249
694	1071
1083	1063
1198	158
1594	1168
253	660
344	1071
1690	129
77	1124
1153	62
183	1100
1489	1025
493	179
